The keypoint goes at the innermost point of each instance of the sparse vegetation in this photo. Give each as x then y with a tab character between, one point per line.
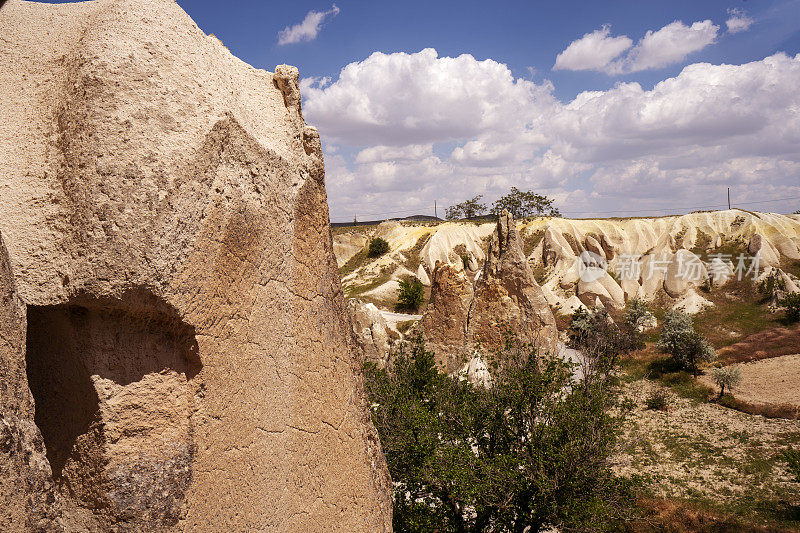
792	457
404	325
637	314
377	247
772	285
740	310
410	294
354	263
657	401
702	244
413	255
531	241
792	304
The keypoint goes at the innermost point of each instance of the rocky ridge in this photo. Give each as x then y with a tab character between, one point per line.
625	258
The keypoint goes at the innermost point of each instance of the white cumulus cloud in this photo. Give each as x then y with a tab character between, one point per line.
593	51
414	128
671	44
602	52
308	29
398	99
738	21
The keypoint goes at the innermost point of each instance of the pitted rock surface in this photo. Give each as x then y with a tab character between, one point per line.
173	306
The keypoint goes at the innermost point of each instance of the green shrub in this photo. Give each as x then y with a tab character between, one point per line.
687	349
599	338
410	294
377	247
404	325
676	325
657	401
792	304
531	451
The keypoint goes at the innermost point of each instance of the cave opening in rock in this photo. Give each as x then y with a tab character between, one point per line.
113	390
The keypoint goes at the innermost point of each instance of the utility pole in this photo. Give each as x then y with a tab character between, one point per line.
729	198
435	214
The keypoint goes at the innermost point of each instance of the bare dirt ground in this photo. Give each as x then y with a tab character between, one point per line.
707	453
768	381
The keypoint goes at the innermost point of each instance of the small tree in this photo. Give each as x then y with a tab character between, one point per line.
772	286
410	294
468	209
637	315
792	304
726	377
677	324
377	247
600	340
525	204
686	347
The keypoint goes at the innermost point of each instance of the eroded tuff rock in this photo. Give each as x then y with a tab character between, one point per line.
446	318
555	245
170	302
28	498
505	297
371	332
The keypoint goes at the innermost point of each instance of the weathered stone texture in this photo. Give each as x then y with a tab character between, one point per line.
371	332
507	297
446	319
164	210
504	299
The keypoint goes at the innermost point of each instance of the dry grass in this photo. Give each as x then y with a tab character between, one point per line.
682	517
767	410
771	342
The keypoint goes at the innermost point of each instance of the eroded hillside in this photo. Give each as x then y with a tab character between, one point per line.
587	261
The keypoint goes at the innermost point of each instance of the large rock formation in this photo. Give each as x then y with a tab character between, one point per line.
174	348
637	253
505	298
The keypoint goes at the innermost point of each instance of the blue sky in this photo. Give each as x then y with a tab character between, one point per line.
612	108
519	34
